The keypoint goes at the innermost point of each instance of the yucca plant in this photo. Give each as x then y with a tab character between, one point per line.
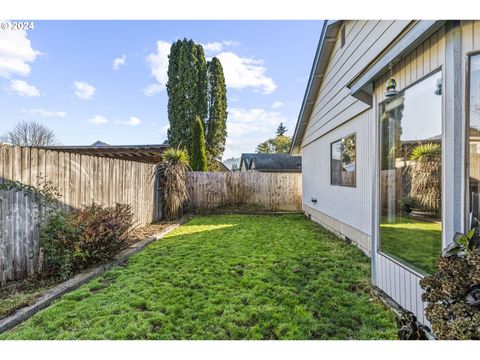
426	175
172	171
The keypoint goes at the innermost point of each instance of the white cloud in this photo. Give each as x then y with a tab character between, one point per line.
45	113
246	128
84	90
232	43
22	88
16	53
98	119
133	121
243	72
164	131
158	63
240	72
277	104
212	47
119	62
153	89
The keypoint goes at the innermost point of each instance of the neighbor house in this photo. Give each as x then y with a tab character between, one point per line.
271	163
388	133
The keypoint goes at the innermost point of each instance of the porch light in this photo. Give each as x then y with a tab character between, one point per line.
391	86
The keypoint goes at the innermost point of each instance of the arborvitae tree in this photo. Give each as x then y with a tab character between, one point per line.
202	83
281	129
216	124
187	92
199	157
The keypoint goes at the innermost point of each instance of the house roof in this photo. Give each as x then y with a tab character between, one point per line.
272	162
222	166
141	153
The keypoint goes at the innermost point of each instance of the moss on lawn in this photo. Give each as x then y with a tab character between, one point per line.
226	277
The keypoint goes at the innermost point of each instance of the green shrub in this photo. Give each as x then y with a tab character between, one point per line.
58	233
74	241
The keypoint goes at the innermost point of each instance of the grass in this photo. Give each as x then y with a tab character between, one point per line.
226	277
418	243
23	293
19	294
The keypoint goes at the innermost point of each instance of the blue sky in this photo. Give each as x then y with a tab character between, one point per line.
64	74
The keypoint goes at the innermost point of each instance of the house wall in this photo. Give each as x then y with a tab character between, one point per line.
351	214
348	211
335	115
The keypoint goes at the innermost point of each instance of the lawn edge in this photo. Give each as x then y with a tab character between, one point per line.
51	295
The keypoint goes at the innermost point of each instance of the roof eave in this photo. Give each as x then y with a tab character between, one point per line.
324	49
361	87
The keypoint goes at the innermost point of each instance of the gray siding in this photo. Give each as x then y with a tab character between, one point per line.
349	205
334	105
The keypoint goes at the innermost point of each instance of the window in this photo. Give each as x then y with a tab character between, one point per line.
474	140
343	162
410	175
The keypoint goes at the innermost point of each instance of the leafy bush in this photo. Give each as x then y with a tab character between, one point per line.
58	233
73	241
453	292
104	232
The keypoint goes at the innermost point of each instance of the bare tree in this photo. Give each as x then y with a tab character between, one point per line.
29	134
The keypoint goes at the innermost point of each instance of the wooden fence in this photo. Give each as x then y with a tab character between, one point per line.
268	191
80	180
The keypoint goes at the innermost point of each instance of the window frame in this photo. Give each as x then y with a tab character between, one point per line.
378	240
354	134
466	164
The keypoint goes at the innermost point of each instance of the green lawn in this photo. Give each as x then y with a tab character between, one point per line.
418	243
226	277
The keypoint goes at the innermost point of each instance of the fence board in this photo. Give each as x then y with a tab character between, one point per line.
268	191
80	179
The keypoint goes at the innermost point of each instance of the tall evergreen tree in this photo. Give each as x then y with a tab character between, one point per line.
187	92
216	124
199	157
281	129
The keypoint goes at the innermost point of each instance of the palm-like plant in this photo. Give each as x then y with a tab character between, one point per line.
426	175
172	172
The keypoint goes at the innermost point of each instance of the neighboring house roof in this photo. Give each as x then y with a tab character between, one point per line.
360	87
141	153
99	143
223	167
271	162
